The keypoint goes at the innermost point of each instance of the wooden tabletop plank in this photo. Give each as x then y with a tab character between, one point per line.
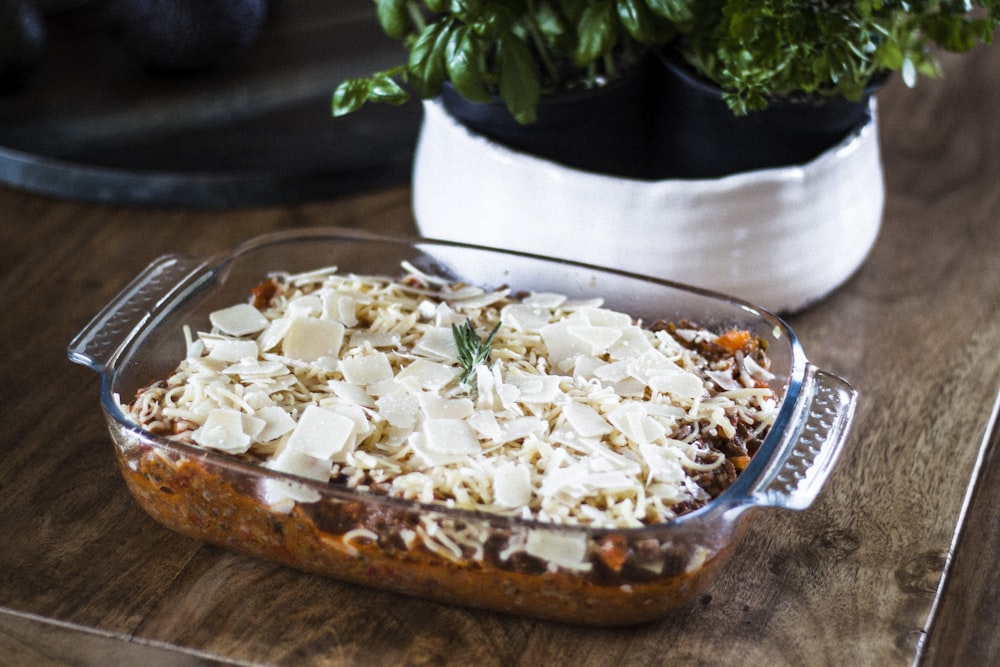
27	640
964	628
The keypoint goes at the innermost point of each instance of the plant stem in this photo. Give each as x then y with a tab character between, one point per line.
416	15
536	36
610	67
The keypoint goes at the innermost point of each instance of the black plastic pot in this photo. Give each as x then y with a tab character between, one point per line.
697	136
607	130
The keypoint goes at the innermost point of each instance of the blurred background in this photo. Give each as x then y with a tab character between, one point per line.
212	103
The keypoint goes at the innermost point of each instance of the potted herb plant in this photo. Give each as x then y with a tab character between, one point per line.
670	197
561	79
777	82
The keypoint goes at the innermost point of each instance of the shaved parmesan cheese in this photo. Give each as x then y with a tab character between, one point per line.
487	426
322	434
343	308
512	485
561	343
307	307
677	383
445	441
374	339
613	372
223	430
233	350
723	379
356	414
239	320
437	343
275	332
546	300
516	428
535	388
592	475
664	465
429	375
351	393
281	495
524	317
451	436
294	461
603	317
252	426
633	421
474	297
435	406
561	549
664	376
256	368
587	366
277	422
596	340
366	369
585	420
309	339
634	342
399	409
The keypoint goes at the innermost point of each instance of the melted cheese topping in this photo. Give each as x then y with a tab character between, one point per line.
581	416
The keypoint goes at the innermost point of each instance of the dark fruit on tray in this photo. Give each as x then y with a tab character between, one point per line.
186	35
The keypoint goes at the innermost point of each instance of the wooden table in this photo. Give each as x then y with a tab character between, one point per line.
896	563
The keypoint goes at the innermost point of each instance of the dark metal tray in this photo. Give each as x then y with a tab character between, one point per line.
93	124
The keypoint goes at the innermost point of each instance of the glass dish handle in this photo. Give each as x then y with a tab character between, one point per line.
99	342
821	425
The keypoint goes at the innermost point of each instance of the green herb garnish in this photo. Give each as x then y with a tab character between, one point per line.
473	351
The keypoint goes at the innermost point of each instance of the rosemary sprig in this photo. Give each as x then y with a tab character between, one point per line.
473	351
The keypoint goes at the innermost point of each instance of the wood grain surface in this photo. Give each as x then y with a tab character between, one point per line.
877	572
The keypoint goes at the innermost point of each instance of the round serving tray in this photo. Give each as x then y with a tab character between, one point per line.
93	124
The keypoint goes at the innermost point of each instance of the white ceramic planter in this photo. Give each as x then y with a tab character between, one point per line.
780	238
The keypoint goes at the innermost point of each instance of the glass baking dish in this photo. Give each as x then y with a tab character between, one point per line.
616	576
